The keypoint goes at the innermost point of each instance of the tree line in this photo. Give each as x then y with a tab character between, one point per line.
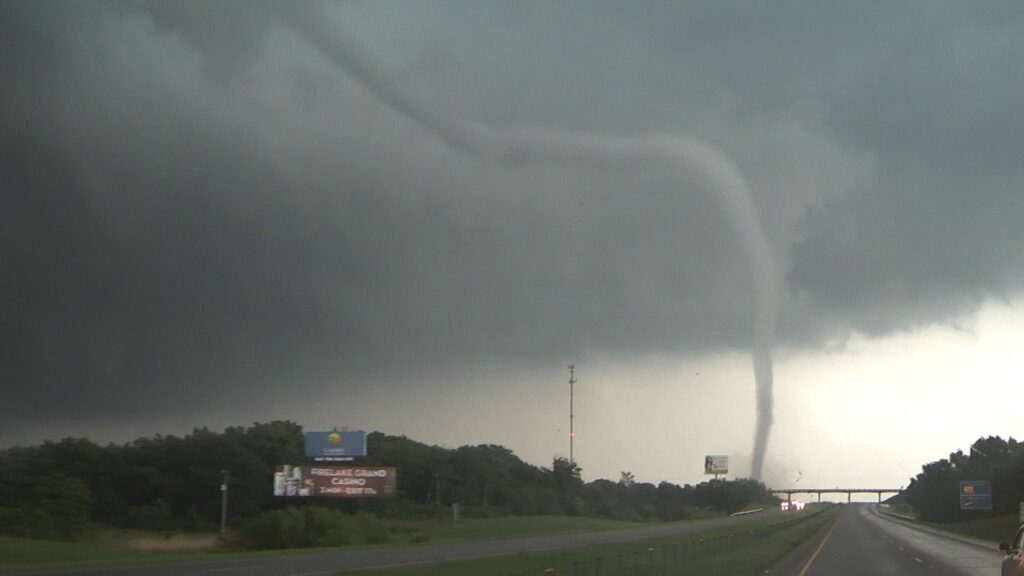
934	494
59	489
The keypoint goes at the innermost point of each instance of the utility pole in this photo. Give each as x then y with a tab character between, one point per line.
572	431
224	501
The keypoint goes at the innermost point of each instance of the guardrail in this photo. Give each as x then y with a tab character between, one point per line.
745	512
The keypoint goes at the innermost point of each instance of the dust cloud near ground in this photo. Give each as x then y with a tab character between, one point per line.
154	542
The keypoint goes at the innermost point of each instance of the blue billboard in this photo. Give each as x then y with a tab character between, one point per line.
335	446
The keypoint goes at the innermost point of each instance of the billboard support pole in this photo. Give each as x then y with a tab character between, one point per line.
224	501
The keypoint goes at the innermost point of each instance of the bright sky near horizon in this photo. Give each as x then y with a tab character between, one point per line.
209	220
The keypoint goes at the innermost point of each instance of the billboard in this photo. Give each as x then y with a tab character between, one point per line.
716	464
335	481
335	446
976	495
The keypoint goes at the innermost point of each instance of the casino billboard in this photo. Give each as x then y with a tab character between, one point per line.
335	446
335	481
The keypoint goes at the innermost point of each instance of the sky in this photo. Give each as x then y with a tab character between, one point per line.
219	213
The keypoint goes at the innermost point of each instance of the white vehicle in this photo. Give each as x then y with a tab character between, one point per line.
794	505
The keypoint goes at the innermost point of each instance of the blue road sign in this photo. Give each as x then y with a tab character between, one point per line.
976	495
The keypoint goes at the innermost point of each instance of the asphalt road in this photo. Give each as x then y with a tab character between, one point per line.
864	542
335	561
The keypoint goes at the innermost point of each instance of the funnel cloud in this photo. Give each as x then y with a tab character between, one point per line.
679	156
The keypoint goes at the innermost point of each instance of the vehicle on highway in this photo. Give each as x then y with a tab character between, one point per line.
1013	562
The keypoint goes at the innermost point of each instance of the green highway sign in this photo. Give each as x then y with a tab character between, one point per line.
976	495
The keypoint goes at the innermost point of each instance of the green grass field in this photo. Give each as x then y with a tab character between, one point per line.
747	550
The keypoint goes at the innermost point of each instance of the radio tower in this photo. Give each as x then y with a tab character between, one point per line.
572	431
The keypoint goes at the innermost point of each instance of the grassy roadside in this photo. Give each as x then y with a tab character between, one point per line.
740	550
994	529
18	554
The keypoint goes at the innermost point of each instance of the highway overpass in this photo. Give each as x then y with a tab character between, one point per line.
848	491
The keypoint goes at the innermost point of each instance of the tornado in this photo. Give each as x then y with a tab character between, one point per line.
678	155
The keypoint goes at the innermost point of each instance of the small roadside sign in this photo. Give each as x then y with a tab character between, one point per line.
976	495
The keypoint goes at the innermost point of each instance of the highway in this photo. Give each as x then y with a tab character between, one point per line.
863	541
322	563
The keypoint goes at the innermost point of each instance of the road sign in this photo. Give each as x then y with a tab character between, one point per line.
976	495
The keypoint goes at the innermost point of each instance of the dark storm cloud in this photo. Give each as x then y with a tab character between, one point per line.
156	262
197	203
936	231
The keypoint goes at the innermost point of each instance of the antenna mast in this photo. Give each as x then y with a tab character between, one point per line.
572	431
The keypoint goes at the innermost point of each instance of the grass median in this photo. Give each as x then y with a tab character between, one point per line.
747	549
469	529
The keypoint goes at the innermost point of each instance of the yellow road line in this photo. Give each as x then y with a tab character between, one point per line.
818	551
